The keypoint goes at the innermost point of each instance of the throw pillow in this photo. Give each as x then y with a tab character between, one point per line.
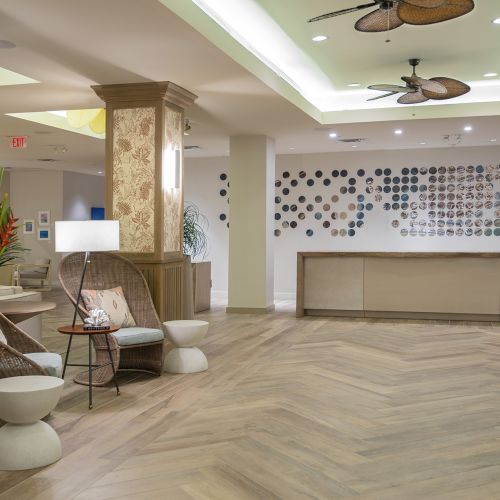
113	302
2	338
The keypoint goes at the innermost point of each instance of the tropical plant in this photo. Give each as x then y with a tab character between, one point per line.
195	225
10	246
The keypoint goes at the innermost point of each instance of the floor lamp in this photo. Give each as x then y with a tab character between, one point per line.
86	236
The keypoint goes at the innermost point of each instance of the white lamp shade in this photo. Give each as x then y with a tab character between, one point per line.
87	236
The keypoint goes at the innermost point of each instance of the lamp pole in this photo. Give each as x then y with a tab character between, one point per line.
86	260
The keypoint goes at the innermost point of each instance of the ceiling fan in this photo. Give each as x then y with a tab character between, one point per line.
391	14
420	89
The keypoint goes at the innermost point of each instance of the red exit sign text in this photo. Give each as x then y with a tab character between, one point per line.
18	142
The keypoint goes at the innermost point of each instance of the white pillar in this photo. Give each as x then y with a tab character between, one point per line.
251	223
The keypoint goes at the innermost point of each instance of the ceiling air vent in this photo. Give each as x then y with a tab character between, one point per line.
47	160
358	139
191	148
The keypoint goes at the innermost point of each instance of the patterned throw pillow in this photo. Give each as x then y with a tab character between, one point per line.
113	302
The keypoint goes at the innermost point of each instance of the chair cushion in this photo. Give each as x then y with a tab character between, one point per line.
113	302
49	361
137	335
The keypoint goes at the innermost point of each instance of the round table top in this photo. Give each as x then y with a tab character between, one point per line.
78	330
188	323
29	383
8	307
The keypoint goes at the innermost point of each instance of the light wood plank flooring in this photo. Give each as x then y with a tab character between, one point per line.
290	409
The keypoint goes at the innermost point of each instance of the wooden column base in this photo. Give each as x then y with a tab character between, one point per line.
166	284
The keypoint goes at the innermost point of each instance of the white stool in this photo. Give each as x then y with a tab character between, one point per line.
25	441
185	357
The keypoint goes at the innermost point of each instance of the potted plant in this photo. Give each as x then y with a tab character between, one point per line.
10	246
195	246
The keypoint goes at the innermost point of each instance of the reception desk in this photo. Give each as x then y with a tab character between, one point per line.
460	286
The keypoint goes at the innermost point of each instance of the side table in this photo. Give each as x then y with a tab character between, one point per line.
185	357
25	441
79	330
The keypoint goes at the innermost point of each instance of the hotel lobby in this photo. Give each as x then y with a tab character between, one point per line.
249	249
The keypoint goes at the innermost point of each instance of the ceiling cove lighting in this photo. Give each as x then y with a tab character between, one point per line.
258	40
468	128
490	75
251	26
319	38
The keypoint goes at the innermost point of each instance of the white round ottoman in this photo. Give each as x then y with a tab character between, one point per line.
185	357
25	441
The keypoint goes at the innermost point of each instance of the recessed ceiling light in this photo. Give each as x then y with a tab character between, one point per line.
319	38
291	149
333	135
467	128
398	131
423	143
493	140
496	21
354	85
5	44
354	146
490	75
100	172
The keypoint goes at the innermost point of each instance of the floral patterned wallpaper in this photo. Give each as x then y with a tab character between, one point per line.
173	197
134	158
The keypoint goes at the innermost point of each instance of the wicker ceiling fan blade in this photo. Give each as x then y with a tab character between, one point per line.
432	86
341	12
427	4
383	87
412	14
454	88
382	96
412	98
379	20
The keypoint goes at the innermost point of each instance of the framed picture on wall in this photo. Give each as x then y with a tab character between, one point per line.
44	218
97	213
44	233
28	226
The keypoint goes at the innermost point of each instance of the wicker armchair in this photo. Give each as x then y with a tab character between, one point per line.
105	271
13	362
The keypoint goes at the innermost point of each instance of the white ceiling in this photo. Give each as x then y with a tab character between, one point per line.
69	46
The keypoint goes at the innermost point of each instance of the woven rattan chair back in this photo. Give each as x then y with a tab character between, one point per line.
105	271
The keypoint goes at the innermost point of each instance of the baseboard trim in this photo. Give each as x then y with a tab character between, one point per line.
402	315
250	310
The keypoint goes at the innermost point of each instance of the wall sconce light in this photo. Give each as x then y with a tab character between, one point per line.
171	169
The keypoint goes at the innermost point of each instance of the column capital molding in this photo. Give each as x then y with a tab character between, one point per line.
146	91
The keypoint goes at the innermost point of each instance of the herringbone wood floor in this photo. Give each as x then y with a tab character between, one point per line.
290	408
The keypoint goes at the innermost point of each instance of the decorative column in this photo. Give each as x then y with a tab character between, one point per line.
251	224
144	182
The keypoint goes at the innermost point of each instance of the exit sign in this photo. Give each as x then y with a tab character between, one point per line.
19	142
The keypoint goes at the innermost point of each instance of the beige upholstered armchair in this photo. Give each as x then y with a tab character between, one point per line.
22	355
32	275
135	348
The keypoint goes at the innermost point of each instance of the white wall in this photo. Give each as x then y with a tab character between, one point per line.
377	234
30	192
81	192
67	195
201	187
